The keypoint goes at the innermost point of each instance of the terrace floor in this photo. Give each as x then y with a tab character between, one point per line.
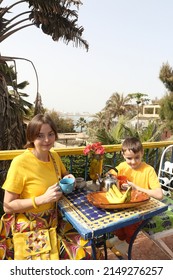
146	249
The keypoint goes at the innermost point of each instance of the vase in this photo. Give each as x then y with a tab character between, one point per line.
96	165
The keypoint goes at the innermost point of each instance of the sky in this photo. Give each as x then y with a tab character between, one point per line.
129	40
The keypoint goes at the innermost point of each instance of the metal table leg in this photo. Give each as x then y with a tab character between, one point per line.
96	243
134	237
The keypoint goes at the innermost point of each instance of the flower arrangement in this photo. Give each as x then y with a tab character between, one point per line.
94	149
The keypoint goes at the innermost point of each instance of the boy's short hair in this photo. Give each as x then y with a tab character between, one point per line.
132	144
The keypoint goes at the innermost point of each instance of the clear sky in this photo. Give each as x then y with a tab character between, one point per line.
129	40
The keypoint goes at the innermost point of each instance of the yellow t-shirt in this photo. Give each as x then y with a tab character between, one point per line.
144	177
30	177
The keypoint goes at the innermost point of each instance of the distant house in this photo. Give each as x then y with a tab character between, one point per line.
72	139
150	112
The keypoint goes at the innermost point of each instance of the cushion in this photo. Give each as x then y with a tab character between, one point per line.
162	221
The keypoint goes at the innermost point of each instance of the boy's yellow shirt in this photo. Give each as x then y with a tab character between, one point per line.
144	176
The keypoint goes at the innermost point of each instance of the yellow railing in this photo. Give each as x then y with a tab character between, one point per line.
10	154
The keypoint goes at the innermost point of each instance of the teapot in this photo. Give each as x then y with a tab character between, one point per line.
108	181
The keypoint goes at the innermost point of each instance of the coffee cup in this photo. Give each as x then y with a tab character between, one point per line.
67	185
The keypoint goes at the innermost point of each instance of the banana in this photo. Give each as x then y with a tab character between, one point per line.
113	198
111	191
110	198
128	194
116	191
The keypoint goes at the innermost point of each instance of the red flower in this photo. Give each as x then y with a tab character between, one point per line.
94	149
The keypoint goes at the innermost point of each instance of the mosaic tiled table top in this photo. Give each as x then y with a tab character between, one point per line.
91	221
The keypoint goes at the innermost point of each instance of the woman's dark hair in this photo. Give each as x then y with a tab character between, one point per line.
34	126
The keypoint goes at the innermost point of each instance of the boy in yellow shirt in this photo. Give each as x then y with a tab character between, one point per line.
142	177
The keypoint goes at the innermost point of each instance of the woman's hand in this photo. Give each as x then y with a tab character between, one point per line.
52	194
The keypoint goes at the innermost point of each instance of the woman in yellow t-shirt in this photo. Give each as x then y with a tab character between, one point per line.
31	194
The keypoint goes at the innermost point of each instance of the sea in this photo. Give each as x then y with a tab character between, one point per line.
75	118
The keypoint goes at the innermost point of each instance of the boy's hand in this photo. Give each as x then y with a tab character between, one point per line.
132	185
124	186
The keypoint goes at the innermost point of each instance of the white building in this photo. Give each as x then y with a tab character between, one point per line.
150	113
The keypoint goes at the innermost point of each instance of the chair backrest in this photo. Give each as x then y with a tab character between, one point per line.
165	172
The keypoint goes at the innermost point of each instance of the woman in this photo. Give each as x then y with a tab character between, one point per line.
31	194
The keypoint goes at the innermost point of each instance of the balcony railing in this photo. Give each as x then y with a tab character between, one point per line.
152	154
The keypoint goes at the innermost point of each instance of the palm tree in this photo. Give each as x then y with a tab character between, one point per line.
117	105
55	18
81	123
139	98
17	101
16	107
13	108
98	120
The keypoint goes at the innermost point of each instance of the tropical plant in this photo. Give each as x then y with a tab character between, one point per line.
63	125
81	123
123	129
166	76
55	18
117	105
166	110
98	120
166	103
140	100
15	107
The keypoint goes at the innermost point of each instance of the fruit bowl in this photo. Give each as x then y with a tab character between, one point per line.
99	200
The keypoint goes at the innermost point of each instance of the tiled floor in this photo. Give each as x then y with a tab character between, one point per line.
146	249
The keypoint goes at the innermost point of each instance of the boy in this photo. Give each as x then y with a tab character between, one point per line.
142	177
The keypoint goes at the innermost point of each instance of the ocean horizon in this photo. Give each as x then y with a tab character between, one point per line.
75	118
